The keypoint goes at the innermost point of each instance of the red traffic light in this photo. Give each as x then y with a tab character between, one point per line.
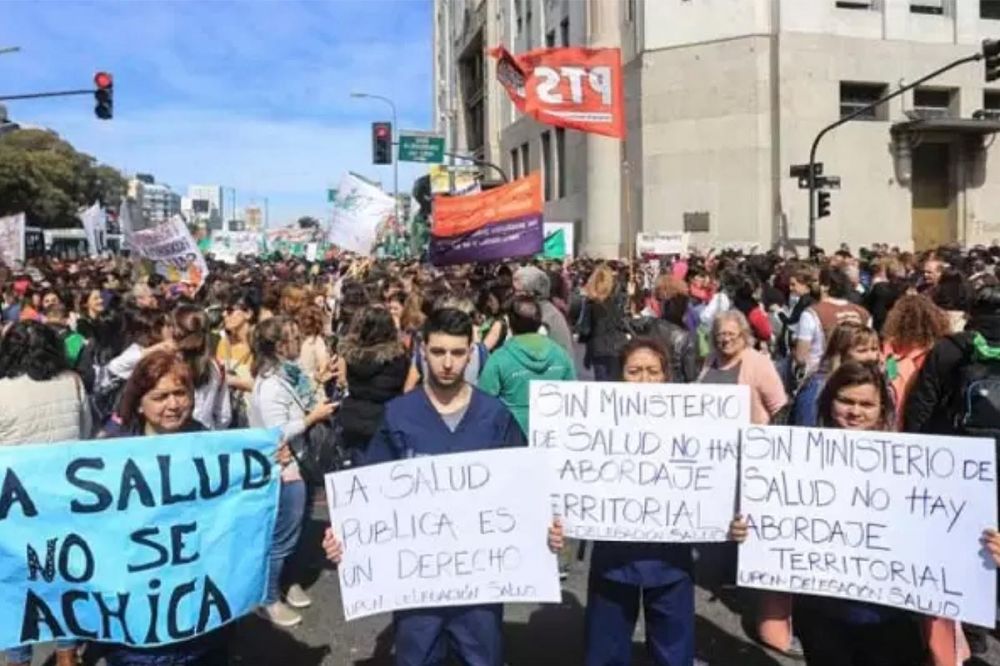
381	131
102	80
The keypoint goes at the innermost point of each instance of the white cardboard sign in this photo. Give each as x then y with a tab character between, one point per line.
887	518
641	462
445	530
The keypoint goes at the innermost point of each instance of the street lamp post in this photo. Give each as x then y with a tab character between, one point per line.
395	157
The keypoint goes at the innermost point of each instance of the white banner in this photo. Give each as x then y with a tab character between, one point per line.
359	211
881	517
93	220
641	462
12	239
229	246
445	530
174	251
662	242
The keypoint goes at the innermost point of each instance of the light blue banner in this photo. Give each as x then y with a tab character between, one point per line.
144	540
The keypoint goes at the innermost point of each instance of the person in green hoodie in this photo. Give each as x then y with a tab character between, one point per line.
525	356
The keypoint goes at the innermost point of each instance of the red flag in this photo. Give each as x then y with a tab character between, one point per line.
568	87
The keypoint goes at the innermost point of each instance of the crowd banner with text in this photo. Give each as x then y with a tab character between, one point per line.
12	239
880	517
361	213
144	541
567	87
641	462
446	530
464	178
502	223
662	243
94	222
228	247
173	251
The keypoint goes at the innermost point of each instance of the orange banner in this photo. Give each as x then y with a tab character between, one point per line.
460	215
567	87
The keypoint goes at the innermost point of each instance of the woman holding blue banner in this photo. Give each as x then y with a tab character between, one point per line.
41	402
158	400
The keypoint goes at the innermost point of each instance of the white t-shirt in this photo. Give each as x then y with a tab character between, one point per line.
810	329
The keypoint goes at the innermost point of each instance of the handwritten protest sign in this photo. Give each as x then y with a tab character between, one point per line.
886	518
641	462
173	250
143	541
12	239
448	530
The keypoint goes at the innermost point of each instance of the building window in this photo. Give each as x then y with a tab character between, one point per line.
518	18
515	164
548	172
564	32
932	7
560	162
934	102
550	39
991	100
854	96
528	33
630	11
857	4
525	159
989	9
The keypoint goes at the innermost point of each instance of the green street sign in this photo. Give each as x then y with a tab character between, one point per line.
421	147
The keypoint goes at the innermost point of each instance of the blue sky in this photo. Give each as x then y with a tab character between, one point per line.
252	95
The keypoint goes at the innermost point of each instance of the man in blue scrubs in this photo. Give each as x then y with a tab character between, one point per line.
444	415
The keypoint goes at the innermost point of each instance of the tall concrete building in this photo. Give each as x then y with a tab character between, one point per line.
724	96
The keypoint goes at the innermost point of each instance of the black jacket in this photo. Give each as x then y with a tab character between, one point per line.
931	406
678	341
602	327
375	375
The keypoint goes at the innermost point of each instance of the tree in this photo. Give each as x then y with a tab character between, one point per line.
307	222
49	180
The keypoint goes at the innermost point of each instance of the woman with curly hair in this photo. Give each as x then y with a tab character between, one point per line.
912	327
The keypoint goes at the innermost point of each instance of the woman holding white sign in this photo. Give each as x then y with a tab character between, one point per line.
734	361
838	632
659	575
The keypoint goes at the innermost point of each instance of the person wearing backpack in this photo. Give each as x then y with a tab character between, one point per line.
957	392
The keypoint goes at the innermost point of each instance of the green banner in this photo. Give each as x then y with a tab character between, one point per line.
555	245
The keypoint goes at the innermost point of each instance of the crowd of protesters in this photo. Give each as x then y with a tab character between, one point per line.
394	359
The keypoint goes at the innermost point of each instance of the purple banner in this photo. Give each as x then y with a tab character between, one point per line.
507	239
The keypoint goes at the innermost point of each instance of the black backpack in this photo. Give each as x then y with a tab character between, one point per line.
977	405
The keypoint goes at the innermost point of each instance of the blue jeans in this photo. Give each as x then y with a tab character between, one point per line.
22	654
287	529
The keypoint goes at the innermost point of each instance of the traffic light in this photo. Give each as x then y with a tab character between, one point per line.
822	204
382	143
991	59
104	96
